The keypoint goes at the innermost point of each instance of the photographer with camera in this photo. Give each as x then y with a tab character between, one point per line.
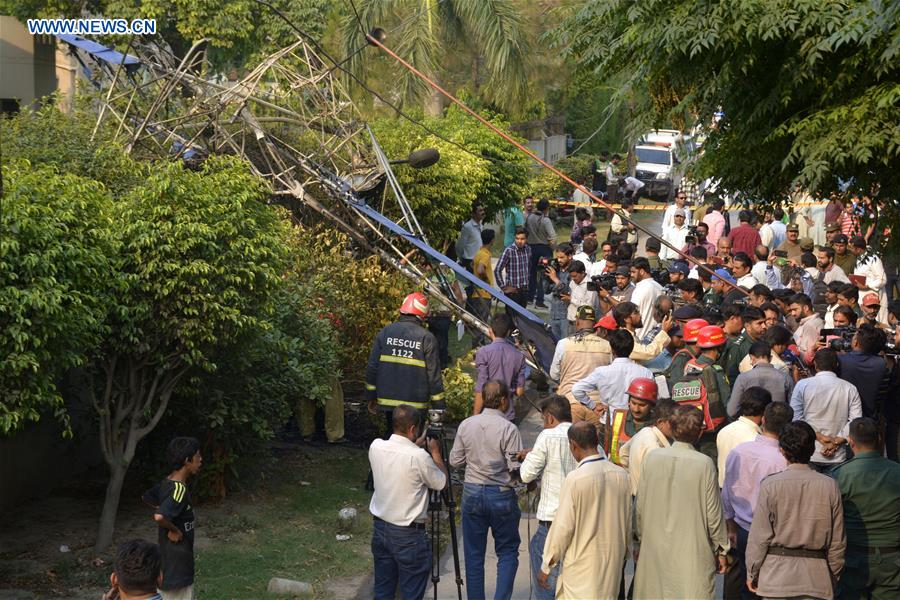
613	288
556	277
403	473
628	317
864	366
487	444
697	238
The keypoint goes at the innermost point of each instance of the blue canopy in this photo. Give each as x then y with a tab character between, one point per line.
100	52
532	329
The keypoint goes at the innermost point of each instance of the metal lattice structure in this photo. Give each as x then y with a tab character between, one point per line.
292	121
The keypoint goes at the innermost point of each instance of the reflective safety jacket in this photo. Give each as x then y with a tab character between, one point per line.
404	367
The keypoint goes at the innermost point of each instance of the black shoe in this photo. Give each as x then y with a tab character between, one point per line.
540	305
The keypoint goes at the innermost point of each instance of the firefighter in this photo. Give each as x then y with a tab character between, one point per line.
675	372
642	396
705	386
404	366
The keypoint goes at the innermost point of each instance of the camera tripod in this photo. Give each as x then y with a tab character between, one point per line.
436	500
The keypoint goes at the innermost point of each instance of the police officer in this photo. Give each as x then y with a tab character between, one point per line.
404	366
754	321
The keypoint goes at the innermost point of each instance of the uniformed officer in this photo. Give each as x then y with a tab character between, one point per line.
404	366
624	425
711	342
675	372
754	321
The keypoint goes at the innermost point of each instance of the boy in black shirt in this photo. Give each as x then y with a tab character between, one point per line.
175	517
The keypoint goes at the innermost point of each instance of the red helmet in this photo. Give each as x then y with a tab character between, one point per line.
643	389
692	328
415	304
711	337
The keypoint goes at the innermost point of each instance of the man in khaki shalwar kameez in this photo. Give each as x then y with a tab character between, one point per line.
679	521
796	544
592	525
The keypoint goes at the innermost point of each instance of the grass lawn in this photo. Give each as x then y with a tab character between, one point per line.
287	529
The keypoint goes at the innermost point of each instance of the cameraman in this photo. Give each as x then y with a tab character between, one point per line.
864	367
621	292
403	473
557	280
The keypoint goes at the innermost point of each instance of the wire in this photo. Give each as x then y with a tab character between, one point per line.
544	163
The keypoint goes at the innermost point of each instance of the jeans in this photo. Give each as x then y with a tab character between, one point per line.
560	328
536	286
402	557
536	551
483	507
736	579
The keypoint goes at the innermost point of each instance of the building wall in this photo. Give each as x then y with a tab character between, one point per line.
32	67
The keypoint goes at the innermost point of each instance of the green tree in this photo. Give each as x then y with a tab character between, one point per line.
200	256
422	30
809	89
56	245
493	171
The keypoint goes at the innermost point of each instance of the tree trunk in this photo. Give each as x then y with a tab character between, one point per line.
117	472
434	104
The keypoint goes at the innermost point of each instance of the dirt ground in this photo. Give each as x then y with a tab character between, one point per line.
46	545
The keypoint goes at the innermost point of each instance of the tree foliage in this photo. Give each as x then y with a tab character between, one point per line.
56	246
809	89
442	194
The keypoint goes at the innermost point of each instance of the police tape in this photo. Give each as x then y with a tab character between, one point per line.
660	206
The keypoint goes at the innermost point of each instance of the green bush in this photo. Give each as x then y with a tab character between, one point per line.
459	389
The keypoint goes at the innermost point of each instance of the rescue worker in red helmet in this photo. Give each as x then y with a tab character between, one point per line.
624	425
404	366
704	385
675	372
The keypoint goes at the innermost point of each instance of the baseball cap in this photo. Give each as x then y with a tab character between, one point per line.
679	266
793	227
832	227
687	312
607	322
724	275
586	313
679	212
807	244
871	300
623	270
676	331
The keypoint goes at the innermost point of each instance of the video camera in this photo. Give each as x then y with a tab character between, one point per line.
435	425
691	237
544	262
606	281
839	339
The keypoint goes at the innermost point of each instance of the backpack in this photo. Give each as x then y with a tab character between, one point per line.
818	299
698	388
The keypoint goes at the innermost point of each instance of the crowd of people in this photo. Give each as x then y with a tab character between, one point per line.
736	413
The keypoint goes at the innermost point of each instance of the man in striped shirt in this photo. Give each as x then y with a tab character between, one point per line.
516	261
550	460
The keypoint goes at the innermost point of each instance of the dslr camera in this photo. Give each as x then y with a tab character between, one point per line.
605	281
841	338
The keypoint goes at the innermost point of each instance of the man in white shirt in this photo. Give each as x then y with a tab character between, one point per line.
633	187
403	473
766	233
754	401
612	381
579	295
870	266
469	241
646	291
825	256
588	247
675	234
623	227
740	269
828	404
550	460
672	209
